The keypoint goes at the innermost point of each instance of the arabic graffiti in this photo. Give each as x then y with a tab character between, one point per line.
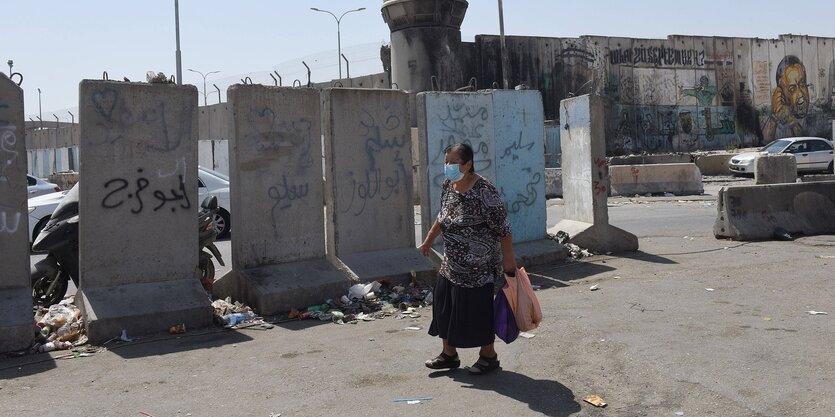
385	170
290	139
526	199
373	185
284	194
116	118
121	191
517	145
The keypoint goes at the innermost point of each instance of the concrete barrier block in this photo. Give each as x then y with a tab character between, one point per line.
817	178
15	290
678	179
714	164
138	235
775	169
753	212
275	289
553	182
278	252
368	187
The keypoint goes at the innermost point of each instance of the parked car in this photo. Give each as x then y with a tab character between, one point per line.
812	154
209	182
39	186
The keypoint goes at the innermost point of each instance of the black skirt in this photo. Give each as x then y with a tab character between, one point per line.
463	316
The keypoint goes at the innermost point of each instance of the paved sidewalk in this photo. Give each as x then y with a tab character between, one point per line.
689	325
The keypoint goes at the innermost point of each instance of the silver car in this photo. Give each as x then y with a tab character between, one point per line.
39	186
812	154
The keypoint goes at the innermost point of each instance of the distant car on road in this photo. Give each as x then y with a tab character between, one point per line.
812	154
39	186
209	182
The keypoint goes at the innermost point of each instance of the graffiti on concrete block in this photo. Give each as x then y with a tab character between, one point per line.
384	173
116	120
288	140
657	56
134	193
512	149
526	198
284	194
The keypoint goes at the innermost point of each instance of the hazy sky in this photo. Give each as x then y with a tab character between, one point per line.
55	44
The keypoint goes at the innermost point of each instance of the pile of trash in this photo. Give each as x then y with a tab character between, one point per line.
60	327
227	313
368	302
574	251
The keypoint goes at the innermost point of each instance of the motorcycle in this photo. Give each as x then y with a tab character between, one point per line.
59	238
206	239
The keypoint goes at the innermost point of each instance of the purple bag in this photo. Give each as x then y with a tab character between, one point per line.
503	319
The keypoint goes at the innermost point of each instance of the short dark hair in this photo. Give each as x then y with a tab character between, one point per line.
465	152
785	62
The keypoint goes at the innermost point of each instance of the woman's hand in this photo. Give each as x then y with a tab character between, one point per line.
425	247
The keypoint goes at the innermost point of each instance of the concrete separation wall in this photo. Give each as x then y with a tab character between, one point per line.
753	212
678	179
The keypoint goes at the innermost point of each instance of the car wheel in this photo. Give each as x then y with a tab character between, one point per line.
829	170
38	227
222	223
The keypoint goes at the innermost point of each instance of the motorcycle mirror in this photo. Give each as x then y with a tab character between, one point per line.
209	203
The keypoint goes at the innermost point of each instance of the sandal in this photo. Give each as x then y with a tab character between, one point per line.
481	369
443	361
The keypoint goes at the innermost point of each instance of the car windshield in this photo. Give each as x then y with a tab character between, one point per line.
777	146
215	173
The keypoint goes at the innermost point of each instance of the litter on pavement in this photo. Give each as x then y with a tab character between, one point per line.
595	400
369	302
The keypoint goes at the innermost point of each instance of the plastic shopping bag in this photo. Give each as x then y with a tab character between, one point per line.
503	319
523	301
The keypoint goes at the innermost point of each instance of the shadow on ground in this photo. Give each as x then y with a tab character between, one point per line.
208	339
541	395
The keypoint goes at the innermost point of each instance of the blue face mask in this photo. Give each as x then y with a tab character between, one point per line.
453	172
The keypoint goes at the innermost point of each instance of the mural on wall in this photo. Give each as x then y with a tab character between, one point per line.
789	101
688	93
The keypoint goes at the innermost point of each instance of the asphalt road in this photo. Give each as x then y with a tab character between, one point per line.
687	326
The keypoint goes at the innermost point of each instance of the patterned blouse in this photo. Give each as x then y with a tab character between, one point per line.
472	225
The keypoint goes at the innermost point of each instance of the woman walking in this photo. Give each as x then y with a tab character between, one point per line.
477	248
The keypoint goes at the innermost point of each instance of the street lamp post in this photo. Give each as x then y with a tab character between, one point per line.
177	30
205	102
338	34
11	64
40	113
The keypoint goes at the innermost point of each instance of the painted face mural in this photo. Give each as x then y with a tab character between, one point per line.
789	102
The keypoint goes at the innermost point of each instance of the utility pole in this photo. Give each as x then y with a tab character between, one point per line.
177	29
505	65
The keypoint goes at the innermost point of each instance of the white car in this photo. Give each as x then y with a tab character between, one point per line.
38	186
209	183
811	154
